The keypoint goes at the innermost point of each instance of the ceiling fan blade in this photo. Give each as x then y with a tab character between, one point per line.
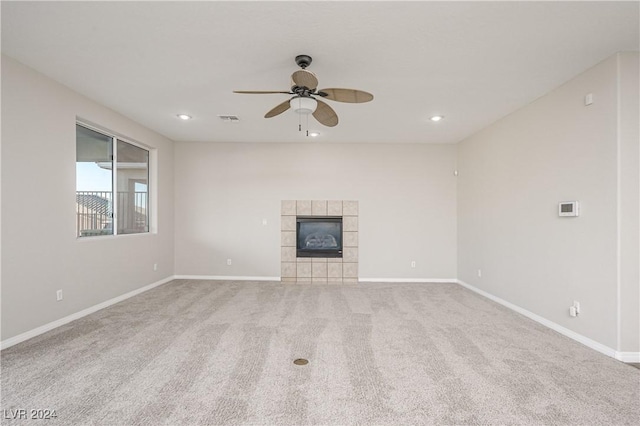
304	78
279	109
260	92
325	114
346	95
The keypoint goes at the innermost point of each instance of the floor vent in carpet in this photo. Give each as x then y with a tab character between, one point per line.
300	361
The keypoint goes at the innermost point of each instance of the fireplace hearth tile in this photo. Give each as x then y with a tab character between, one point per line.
303	259
303	281
287	279
318	208
334	260
303	207
288	208
288	270
350	239
288	238
318	281
319	270
334	270
350	208
334	208
318	260
350	254
288	223
350	270
303	270
350	281
349	223
288	254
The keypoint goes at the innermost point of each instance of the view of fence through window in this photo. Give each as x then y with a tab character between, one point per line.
95	201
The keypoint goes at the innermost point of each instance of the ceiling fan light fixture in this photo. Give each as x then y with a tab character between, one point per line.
184	117
436	118
314	134
303	105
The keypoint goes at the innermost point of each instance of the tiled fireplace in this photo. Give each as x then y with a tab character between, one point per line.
319	270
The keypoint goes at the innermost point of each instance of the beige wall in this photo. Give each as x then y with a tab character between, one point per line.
513	174
406	194
40	253
499	215
629	203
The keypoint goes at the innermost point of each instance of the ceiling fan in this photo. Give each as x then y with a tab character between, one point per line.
304	88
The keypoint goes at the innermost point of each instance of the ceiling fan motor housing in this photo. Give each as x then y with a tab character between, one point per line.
303	61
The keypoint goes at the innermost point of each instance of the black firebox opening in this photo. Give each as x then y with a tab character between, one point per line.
319	236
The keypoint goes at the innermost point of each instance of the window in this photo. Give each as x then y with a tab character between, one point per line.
98	206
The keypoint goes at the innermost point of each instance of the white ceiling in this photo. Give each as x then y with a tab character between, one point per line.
473	62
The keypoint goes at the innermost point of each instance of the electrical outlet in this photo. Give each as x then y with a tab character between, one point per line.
228	261
155	266
572	311
59	295
576	305
479	273
413	263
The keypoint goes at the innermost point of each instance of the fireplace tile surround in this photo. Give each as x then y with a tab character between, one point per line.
319	270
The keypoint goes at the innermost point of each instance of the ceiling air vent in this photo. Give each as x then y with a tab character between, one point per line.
229	118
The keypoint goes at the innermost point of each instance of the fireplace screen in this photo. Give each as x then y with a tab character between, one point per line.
319	236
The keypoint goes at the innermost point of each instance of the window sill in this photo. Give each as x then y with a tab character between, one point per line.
115	237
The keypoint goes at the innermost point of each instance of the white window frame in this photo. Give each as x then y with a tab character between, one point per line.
151	182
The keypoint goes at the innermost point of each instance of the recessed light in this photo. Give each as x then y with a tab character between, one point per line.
184	117
314	134
437	118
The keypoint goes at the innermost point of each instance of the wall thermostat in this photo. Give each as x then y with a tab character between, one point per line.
568	208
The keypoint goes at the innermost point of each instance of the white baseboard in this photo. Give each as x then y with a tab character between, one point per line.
362	280
62	321
224	278
407	280
550	324
628	357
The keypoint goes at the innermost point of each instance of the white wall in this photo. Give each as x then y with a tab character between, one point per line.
513	174
406	195
40	252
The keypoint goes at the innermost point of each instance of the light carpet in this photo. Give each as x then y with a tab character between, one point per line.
207	352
